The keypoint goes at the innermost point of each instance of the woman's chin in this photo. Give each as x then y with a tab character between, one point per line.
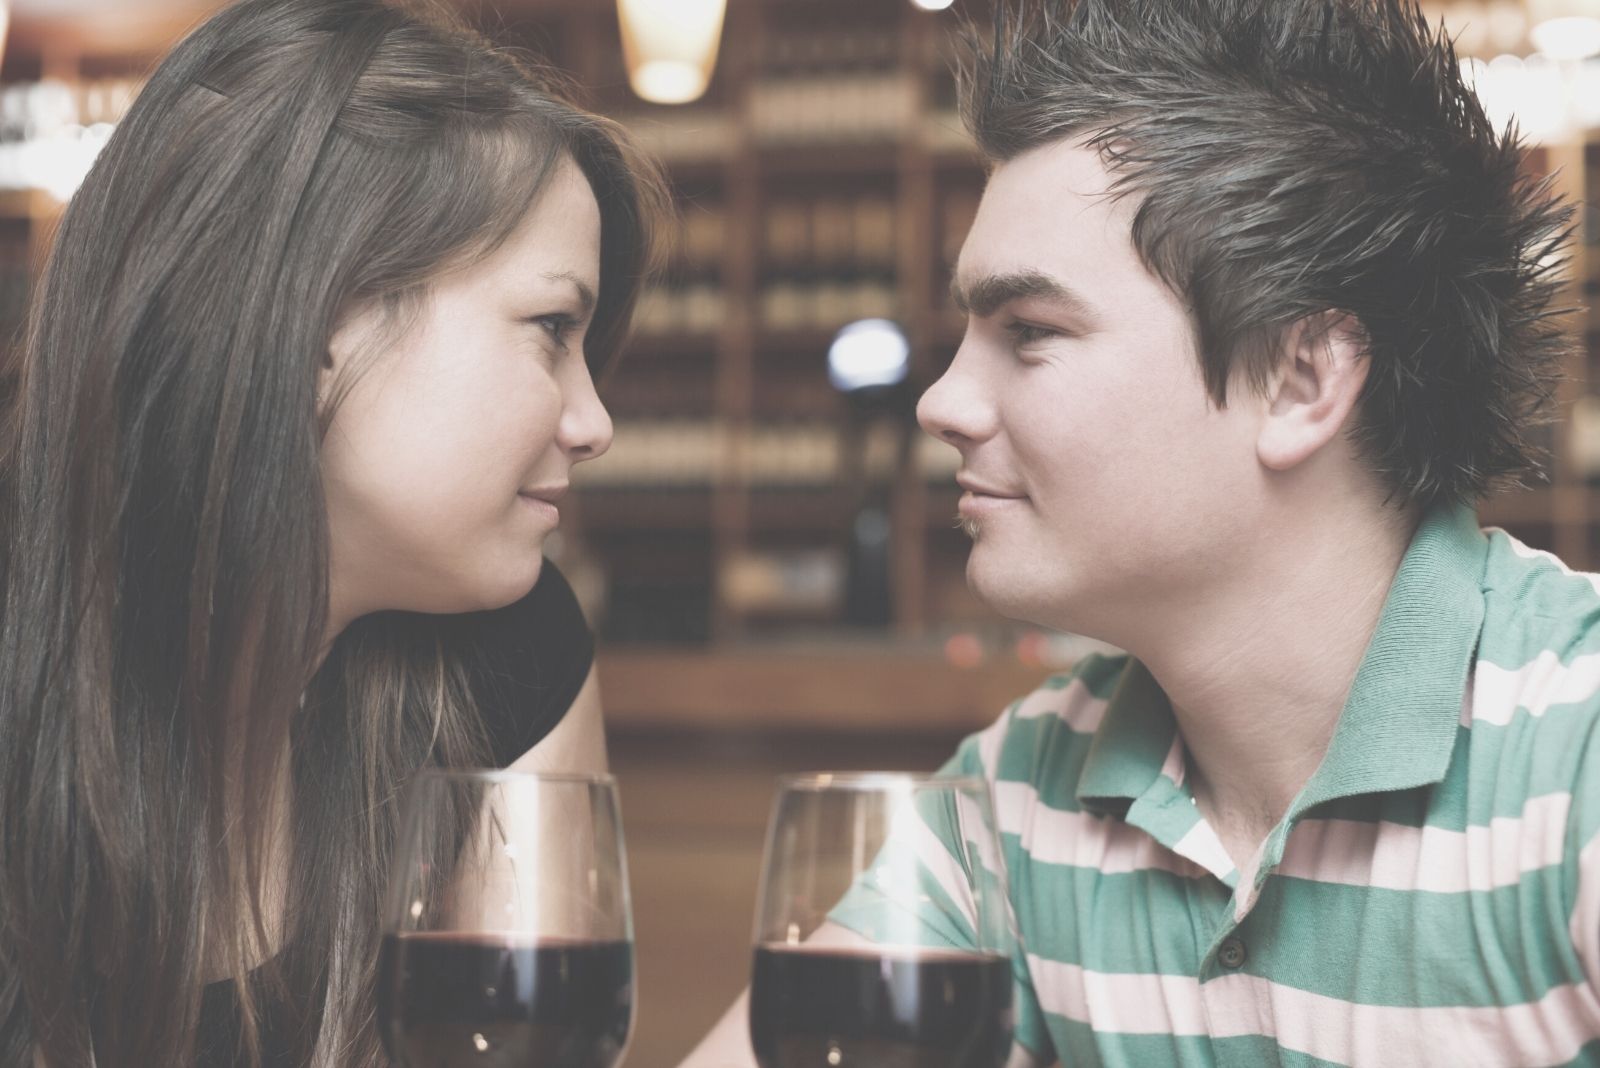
484	592
509	585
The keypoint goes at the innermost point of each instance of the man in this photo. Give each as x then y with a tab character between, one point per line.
1258	309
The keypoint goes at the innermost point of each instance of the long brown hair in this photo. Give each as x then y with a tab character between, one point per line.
165	539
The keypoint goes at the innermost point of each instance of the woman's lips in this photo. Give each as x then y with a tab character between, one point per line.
546	510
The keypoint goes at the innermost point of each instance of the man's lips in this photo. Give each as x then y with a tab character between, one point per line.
975	488
980	500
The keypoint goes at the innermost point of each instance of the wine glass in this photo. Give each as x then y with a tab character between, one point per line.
508	937
883	933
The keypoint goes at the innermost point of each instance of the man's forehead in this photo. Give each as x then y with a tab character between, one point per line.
1041	197
1065	165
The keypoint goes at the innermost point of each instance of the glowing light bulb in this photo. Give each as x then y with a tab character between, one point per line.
671	46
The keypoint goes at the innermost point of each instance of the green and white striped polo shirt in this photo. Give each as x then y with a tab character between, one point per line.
1431	898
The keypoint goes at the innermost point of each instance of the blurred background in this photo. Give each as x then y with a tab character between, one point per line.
769	553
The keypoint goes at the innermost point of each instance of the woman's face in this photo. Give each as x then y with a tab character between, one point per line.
446	461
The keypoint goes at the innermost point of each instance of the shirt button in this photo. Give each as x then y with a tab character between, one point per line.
1232	953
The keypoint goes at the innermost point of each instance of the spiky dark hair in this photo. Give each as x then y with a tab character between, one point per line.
1304	156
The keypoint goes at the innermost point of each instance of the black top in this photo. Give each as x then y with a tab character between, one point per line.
527	662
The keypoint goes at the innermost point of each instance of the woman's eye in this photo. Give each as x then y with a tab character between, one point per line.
559	327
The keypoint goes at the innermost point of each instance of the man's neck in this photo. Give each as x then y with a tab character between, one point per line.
1261	668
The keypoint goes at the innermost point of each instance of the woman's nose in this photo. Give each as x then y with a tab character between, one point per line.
585	431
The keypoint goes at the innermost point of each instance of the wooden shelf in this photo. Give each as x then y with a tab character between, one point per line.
773	343
956	161
644	348
1518	507
941	501
129	32
641	509
642	388
798	393
696	170
1569	505
800	510
829	159
28	205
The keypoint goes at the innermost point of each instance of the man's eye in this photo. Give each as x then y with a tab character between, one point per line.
1027	333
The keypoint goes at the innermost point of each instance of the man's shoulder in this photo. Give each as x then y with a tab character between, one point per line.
1537	610
1536	675
1088	684
1044	733
1537	581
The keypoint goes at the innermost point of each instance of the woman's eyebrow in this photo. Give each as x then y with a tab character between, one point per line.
586	295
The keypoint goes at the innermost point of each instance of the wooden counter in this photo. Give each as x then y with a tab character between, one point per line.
870	688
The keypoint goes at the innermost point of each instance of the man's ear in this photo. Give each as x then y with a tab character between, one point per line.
1321	371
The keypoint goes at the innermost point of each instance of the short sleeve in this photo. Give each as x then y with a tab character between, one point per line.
1581	850
920	893
918	890
526	663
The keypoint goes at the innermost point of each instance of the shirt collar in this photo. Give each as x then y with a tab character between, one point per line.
1398	726
1133	739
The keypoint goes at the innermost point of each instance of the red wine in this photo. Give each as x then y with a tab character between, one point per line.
829	1007
449	1000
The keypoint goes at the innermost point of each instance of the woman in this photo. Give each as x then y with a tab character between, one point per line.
303	385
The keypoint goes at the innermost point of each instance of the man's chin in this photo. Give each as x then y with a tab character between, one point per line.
996	585
1013	591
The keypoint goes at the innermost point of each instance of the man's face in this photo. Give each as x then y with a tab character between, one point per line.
1102	484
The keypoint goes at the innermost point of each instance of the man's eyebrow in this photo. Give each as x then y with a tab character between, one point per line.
991	292
585	292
